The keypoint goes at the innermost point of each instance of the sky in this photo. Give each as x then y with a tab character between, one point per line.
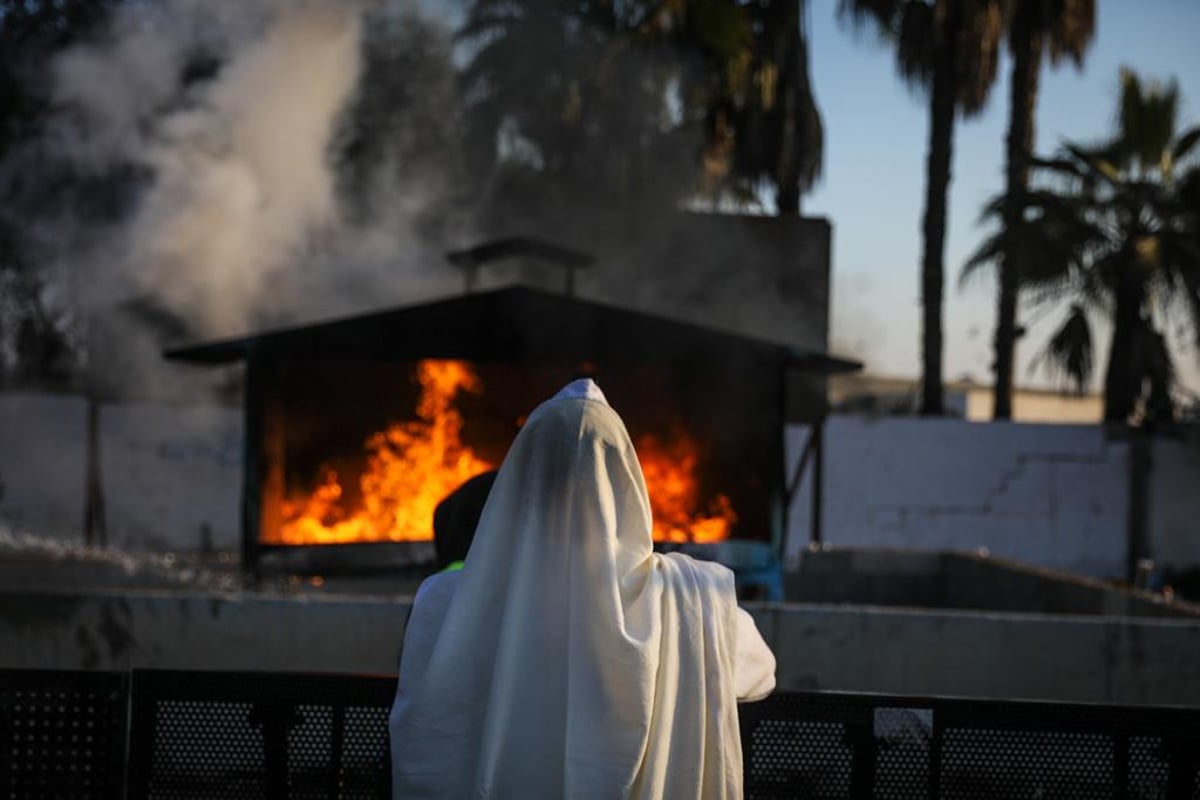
872	190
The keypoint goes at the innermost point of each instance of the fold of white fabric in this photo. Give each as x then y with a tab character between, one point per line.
573	661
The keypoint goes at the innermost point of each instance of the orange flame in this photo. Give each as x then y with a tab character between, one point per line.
411	466
670	470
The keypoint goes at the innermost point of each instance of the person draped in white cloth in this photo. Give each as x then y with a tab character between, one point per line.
567	659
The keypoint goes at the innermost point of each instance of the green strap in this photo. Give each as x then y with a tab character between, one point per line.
453	566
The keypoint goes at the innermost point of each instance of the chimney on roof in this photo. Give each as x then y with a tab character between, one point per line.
471	260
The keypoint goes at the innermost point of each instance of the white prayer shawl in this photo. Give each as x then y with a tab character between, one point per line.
573	661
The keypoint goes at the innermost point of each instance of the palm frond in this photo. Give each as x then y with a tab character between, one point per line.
882	16
1069	353
1069	26
980	38
993	209
1145	120
1185	144
1063	165
989	252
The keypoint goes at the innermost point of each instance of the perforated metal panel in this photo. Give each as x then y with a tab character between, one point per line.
258	735
62	734
795	758
366	736
1033	764
255	735
857	746
902	736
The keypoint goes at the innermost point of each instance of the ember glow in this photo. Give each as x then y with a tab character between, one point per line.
412	465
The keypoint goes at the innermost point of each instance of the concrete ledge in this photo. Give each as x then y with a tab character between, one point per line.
170	630
984	654
848	648
948	579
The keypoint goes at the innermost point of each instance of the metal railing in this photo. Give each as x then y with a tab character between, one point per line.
160	734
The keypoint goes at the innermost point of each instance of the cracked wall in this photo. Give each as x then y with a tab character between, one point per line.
1051	495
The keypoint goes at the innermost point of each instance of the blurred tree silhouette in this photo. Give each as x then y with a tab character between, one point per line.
1115	229
34	338
949	48
403	126
779	137
1059	29
576	103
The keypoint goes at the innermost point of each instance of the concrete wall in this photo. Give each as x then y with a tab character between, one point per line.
43	439
170	475
170	630
1174	520
984	654
817	647
949	580
1052	495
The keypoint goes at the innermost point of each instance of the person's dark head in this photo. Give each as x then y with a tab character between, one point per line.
457	516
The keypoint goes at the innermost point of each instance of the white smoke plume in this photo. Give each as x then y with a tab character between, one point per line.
238	220
242	180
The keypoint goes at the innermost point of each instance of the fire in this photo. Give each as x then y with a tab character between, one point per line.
670	470
412	465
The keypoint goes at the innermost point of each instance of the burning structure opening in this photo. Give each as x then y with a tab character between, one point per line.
407	468
409	465
357	428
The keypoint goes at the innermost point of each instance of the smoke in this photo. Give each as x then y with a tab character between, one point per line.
243	182
241	164
241	187
855	331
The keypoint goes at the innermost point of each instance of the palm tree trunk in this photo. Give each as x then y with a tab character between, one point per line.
937	185
786	51
1122	378
1027	54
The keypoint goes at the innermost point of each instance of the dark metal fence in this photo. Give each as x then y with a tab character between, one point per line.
833	745
62	734
268	735
211	735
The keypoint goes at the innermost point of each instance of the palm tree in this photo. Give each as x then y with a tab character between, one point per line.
950	48
616	99
778	137
1115	229
1059	28
566	107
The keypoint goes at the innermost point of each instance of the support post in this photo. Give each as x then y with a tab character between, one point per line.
818	481
95	528
1140	464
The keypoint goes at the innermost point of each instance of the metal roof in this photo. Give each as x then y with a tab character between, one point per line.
510	324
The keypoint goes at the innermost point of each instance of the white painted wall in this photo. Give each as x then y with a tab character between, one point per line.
1053	495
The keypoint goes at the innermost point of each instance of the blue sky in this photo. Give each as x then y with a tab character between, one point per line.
872	190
